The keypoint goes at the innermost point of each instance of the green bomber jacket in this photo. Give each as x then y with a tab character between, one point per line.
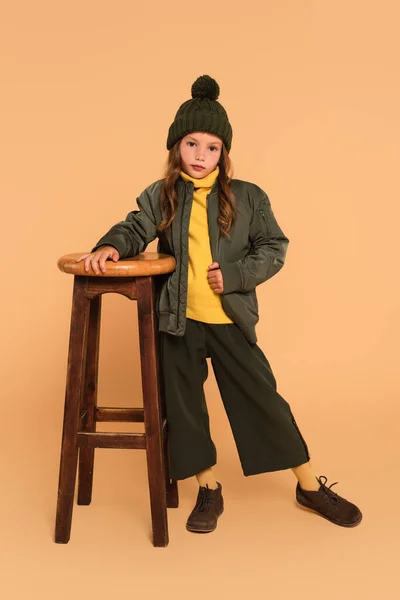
254	253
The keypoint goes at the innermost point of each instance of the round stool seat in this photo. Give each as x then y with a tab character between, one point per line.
145	263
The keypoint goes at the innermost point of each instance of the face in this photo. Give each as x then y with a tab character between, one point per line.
200	148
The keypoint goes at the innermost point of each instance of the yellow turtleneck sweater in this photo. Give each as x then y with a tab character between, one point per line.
203	304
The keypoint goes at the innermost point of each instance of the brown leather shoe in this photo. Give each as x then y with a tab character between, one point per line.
328	504
209	505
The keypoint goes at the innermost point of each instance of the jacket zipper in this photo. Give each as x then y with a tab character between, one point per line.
180	268
209	231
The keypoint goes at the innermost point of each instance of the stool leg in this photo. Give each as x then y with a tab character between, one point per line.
89	402
152	408
73	396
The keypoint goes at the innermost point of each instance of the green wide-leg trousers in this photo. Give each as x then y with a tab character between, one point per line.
264	429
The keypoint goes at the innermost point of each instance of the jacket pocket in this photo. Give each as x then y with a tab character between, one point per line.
263	213
241	307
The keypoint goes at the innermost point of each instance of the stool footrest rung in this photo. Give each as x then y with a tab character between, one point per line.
105	413
103	439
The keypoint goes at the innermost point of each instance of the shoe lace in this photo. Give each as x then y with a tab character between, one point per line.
205	499
330	494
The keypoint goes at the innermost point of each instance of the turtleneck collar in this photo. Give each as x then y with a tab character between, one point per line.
205	182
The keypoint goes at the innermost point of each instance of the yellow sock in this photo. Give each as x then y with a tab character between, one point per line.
207	477
306	477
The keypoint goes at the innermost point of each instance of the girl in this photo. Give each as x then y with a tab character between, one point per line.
226	241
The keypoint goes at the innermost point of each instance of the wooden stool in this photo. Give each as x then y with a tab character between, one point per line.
136	279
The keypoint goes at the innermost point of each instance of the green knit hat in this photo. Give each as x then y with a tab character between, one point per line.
202	113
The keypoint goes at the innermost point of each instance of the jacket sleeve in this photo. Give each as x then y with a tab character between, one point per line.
130	237
267	254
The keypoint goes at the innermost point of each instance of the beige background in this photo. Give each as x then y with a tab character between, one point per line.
311	88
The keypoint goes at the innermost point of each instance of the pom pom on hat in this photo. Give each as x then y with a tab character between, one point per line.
205	87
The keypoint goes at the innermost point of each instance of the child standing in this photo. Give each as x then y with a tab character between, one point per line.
226	241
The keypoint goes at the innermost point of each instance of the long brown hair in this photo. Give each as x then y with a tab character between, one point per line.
226	199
